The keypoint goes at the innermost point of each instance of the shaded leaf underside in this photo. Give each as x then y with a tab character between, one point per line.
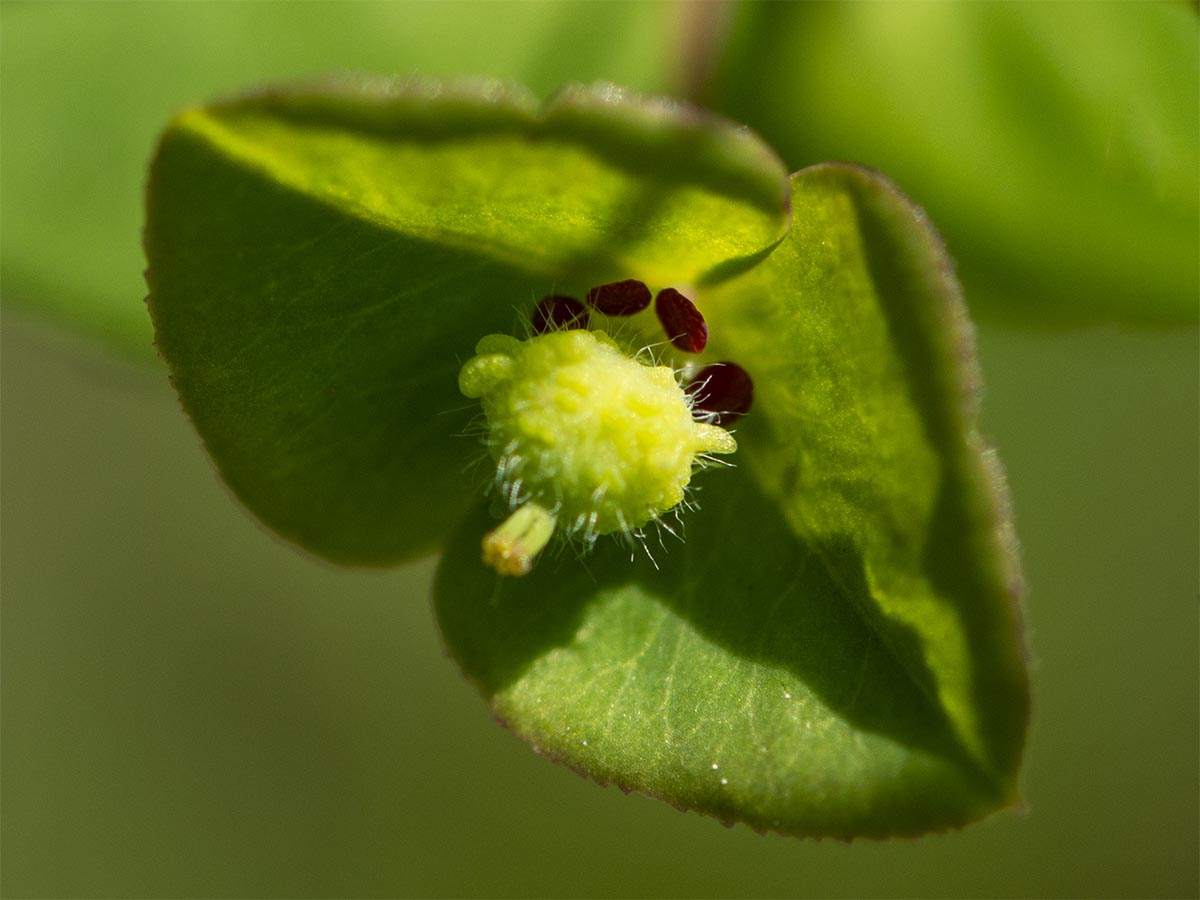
322	261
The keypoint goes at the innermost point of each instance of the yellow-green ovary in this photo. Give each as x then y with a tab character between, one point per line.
601	440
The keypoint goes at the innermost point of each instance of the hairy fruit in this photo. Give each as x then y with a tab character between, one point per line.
598	440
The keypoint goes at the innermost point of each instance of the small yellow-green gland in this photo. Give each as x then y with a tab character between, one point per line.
601	440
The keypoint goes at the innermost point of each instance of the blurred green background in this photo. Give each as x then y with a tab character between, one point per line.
192	708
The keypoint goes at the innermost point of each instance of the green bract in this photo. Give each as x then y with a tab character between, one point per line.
834	648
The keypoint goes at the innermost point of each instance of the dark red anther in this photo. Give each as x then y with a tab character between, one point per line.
558	313
681	320
724	390
621	298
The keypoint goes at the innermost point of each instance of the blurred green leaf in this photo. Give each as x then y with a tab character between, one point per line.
300	723
321	261
87	87
834	649
1057	145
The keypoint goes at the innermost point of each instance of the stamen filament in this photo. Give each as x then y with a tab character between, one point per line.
512	547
